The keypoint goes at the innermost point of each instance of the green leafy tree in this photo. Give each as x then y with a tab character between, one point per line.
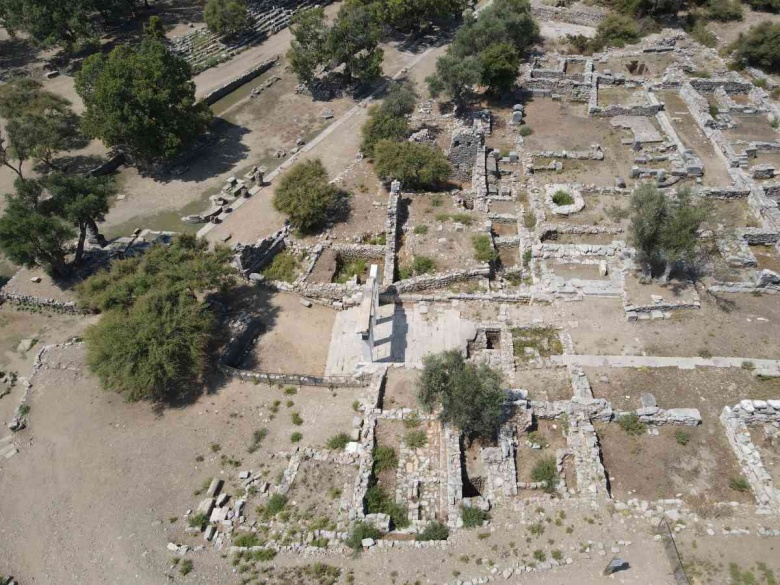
65	23
353	41
455	77
152	341
760	47
141	100
30	237
308	51
417	166
410	15
186	265
664	231
155	349
470	396
154	28
81	201
617	30
40	123
306	196
472	58
226	17
649	214
11	156
724	10
500	63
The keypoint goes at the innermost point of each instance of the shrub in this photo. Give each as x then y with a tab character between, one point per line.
296	419
296	437
463	218
378	502
765	5
359	532
434	531
739	484
724	10
546	470
539	555
226	17
682	437
305	195
701	34
345	272
423	265
617	30
198	521
185	567
257	438
525	130
284	267
412	421
382	126
473	517
247	540
417	166
562	198
760	47
385	458
264	555
631	424
416	439
529	219
421	230
276	503
483	248
337	442
714	111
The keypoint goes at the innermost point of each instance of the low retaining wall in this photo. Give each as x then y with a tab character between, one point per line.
428	281
234	84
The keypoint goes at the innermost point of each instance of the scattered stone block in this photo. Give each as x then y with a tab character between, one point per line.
214	487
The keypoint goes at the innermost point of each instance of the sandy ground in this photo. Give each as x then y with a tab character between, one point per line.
106	477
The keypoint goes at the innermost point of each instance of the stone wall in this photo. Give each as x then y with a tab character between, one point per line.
736	421
730	85
250	258
232	85
354	251
433	281
578	14
391	233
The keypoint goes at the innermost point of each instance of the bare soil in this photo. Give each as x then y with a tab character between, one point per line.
294	338
545	383
400	389
657	467
550	437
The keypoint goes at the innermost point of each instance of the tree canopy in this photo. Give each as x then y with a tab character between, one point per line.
82	202
141	100
64	23
29	236
152	341
226	17
664	230
486	50
350	43
388	121
417	166
306	196
470	396
410	15
40	123
760	46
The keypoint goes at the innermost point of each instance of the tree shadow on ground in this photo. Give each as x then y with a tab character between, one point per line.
76	164
257	301
16	54
219	154
254	300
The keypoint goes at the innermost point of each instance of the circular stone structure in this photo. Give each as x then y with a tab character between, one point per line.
571	189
